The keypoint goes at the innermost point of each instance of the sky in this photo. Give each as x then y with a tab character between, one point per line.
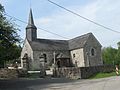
57	20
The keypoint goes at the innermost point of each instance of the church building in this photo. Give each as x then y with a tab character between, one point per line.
81	51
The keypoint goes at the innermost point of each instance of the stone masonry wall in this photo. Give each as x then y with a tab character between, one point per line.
26	49
8	73
82	72
96	59
78	58
49	57
89	71
71	72
12	73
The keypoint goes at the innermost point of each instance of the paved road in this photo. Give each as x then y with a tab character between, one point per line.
112	83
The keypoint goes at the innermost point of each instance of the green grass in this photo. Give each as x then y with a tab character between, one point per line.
102	75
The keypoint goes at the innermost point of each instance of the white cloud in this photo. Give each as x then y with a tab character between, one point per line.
68	25
43	21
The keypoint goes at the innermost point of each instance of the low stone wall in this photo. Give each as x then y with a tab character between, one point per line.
88	71
8	73
71	72
81	72
12	73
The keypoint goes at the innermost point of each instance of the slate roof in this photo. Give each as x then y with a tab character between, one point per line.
78	42
48	44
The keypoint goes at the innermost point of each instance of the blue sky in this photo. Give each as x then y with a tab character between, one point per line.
57	20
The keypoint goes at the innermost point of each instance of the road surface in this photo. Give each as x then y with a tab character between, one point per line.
111	83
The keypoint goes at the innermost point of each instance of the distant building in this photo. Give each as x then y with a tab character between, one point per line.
82	51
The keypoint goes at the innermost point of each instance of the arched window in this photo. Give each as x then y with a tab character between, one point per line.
92	52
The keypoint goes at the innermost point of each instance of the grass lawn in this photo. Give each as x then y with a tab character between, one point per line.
102	75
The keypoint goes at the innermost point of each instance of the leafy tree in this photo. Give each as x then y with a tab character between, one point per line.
109	55
118	54
8	39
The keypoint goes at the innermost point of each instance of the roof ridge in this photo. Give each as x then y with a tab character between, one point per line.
82	35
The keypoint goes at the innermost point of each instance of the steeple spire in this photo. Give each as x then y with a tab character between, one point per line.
31	21
31	30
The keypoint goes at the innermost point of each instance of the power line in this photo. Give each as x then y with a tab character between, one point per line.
98	24
52	33
37	27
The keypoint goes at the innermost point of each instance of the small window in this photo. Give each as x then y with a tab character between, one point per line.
73	55
45	57
92	52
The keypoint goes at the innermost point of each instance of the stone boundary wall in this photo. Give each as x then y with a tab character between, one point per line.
71	72
6	73
89	71
82	72
67	72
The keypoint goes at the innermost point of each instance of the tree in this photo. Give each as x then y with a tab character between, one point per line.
118	54
109	55
8	39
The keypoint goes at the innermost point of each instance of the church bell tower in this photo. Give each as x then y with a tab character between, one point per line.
31	30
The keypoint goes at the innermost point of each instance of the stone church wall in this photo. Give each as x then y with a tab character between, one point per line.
49	57
26	49
77	57
96	59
